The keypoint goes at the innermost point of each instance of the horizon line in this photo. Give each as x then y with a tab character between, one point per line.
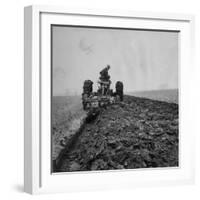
125	92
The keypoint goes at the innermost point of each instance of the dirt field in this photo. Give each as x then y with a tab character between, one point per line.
67	115
138	133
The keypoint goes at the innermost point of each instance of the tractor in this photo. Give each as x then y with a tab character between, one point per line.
104	95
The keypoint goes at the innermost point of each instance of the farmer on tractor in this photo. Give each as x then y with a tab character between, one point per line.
104	81
104	76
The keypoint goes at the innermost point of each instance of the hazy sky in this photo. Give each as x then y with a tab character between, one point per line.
142	60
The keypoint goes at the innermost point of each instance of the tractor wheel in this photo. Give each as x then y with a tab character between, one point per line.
87	87
119	90
87	91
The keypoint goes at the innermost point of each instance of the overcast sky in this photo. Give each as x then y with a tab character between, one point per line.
142	60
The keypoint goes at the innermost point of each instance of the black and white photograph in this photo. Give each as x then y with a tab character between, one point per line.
114	98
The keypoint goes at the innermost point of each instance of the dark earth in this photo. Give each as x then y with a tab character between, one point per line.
136	133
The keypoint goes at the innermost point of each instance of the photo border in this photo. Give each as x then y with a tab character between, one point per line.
34	179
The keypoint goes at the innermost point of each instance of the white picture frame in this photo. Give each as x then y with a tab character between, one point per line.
37	172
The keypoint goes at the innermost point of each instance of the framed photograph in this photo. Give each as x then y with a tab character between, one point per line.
107	99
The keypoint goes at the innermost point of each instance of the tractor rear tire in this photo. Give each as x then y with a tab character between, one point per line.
119	90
